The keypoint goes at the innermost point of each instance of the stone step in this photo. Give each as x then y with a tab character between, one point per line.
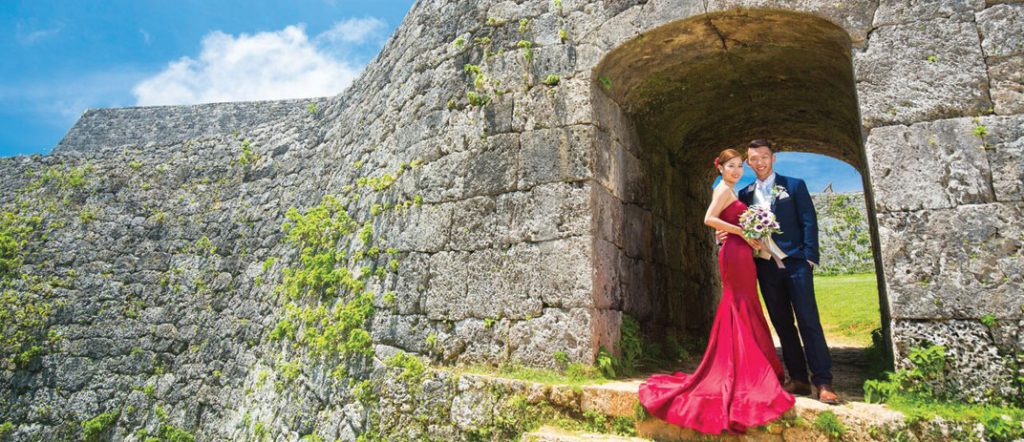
552	434
620	399
862	421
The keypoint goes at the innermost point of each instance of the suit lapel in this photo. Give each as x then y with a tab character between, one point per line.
781	182
748	192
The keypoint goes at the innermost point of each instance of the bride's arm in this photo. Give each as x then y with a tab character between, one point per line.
719	200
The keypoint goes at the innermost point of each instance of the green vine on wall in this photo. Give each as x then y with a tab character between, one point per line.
327	309
27	301
848	236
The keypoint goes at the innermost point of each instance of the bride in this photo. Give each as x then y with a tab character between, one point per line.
738	382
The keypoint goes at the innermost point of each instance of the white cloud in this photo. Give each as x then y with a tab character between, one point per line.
354	30
27	37
262	66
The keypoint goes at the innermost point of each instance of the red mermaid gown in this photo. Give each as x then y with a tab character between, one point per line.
737	384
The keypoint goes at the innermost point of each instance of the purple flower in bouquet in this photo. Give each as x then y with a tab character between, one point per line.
758	222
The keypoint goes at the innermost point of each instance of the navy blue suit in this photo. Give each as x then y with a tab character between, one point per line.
790	290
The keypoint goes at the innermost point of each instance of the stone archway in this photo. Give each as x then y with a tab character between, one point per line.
667	101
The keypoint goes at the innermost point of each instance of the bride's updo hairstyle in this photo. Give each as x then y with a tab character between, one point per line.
724	156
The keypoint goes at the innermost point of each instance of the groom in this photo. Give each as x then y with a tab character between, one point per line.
791	290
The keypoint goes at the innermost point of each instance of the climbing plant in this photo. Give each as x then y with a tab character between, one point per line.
847	235
48	201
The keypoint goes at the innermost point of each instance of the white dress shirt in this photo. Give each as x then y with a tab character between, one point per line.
763	191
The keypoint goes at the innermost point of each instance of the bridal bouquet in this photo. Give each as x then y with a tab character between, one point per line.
759	223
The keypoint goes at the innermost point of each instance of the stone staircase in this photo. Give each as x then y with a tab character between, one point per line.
862	421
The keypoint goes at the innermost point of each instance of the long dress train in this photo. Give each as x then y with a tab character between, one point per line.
736	385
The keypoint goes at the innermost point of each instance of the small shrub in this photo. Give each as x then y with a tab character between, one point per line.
412	367
94	429
476	99
828	423
630	345
459	42
86	215
606	363
431	341
527	46
248	156
561	358
980	131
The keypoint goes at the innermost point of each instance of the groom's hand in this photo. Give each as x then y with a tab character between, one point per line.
721	235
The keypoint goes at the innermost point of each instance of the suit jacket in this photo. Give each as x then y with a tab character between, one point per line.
796	217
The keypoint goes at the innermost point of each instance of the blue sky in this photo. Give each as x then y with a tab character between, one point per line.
818	171
62	57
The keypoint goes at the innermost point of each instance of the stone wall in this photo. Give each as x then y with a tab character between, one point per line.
171	312
163	125
844	234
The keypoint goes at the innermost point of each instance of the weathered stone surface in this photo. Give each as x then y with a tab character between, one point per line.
1000	28
854	17
166	125
891	12
964	262
923	70
1005	147
545	212
530	340
1007	78
970	353
933	165
546	107
515	282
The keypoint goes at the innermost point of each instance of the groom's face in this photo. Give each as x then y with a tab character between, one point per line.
762	160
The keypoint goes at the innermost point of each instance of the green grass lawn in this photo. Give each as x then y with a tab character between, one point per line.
848	306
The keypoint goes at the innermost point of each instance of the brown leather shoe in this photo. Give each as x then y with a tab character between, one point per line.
827	395
797	387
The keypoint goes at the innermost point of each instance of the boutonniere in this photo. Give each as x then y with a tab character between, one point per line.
779	192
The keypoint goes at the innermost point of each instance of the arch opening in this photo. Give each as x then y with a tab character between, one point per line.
666	102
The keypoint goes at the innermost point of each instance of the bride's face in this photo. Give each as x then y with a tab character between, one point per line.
732	170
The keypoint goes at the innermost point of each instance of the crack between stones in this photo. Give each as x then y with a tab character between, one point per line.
502	246
953	207
984	59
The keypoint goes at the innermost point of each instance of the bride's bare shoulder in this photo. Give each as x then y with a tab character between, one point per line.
720	190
